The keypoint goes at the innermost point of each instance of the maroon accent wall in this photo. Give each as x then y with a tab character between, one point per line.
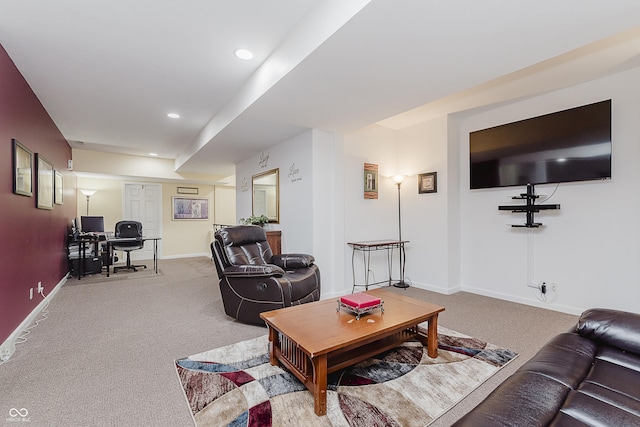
32	241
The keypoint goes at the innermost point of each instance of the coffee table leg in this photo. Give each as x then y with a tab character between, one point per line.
432	337
273	343
320	384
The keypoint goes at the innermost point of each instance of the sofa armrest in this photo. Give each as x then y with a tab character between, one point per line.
293	261
253	270
613	327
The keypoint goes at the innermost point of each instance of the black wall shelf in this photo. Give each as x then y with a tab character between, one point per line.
530	208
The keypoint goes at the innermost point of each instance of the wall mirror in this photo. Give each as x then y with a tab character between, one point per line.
266	195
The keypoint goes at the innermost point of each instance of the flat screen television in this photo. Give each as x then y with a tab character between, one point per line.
565	146
92	224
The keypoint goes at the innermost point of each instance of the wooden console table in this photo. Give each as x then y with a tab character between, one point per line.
274	238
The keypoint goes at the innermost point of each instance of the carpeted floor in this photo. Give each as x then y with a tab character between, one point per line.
237	386
105	354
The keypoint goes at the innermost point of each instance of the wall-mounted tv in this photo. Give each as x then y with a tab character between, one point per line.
565	146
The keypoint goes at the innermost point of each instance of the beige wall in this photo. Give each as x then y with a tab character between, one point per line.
107	172
189	237
180	238
107	201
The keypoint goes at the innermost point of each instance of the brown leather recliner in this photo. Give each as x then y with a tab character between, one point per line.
253	280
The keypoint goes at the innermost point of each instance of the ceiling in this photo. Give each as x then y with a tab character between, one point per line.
108	73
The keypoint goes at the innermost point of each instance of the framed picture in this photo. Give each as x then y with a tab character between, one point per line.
428	182
190	208
188	190
58	188
44	172
370	181
22	168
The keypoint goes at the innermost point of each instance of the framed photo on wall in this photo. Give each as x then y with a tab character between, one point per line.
58	188
428	182
190	208
370	181
22	169
187	190
44	172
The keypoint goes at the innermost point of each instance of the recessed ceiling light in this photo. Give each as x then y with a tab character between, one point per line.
153	154
243	54
173	115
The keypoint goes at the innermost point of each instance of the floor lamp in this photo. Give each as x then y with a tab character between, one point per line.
401	284
88	193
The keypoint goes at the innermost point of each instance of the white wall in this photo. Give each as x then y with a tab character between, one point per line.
311	212
369	219
590	247
293	158
460	241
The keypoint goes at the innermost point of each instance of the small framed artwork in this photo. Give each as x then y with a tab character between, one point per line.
44	172
58	188
428	182
22	169
188	190
190	208
370	181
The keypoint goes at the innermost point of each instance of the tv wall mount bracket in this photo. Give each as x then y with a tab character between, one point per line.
530	208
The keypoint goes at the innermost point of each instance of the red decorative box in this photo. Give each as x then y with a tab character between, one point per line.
360	303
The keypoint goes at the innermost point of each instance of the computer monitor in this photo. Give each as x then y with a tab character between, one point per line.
92	224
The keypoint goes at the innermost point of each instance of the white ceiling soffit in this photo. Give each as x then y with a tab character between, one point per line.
389	59
108	77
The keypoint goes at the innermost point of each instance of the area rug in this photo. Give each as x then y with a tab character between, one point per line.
236	385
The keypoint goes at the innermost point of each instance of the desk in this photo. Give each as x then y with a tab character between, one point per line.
77	248
114	241
377	245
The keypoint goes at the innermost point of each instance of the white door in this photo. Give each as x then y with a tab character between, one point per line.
143	202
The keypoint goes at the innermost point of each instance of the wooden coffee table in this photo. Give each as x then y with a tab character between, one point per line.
313	340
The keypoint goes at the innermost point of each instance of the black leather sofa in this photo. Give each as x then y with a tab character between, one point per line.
253	280
586	377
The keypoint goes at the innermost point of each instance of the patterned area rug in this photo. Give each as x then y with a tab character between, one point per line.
236	386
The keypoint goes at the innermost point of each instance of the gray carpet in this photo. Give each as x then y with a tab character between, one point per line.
105	354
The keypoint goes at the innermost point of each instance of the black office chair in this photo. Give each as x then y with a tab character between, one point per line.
129	229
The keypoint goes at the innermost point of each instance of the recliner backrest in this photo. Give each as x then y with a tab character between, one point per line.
244	245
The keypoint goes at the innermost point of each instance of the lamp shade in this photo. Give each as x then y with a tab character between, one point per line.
88	193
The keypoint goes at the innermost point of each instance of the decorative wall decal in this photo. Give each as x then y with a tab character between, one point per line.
244	186
264	160
294	172
370	181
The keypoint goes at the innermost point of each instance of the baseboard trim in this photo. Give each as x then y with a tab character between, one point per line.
8	347
533	303
186	256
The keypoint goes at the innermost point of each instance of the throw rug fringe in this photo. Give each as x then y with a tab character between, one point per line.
237	386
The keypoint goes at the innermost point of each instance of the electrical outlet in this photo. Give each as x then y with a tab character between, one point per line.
6	350
40	288
30	293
